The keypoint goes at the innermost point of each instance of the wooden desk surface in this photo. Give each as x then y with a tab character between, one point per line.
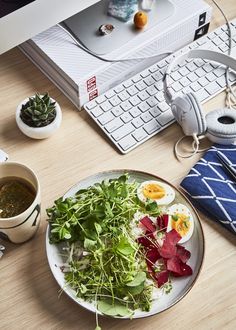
28	291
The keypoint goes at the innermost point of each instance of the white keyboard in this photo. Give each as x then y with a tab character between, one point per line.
135	110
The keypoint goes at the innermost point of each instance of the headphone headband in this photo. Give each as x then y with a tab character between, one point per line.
203	54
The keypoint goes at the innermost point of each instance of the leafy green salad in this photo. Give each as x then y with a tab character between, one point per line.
105	263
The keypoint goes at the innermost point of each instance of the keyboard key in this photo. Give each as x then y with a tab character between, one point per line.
138	122
126	117
96	112
157	75
211	76
152	101
132	90
128	83
177	86
192	76
91	105
191	66
101	99
106	106
139	134
114	125
162	64
152	127
145	73
203	81
141	85
123	96
149	81
123	131
165	118
115	100
212	88
105	118
221	81
155	111
151	90
146	117
184	81
184	71
117	111
202	95
159	85
160	96
119	88
110	93
126	105
196	86
200	72
127	142
135	112
163	106
176	75
135	100
219	71
153	68
136	78
143	95
144	106
207	67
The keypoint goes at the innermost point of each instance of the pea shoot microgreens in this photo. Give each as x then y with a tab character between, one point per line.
105	264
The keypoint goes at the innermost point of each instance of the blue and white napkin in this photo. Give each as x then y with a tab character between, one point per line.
211	189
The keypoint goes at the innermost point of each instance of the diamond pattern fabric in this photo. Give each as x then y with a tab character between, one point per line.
211	189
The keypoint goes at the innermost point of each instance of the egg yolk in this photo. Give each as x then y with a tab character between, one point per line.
180	222
153	191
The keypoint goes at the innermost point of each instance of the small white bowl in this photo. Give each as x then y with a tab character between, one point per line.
39	132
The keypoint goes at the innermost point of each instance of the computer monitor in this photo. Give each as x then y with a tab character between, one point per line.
20	20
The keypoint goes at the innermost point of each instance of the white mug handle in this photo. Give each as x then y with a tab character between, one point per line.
3	156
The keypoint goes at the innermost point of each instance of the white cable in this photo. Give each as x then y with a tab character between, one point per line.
192	153
195	146
230	93
107	59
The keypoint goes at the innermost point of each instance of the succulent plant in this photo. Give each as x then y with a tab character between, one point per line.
39	111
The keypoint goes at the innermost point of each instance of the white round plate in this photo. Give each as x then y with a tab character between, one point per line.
181	286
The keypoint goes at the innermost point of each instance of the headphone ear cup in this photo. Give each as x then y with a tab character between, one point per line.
188	113
221	126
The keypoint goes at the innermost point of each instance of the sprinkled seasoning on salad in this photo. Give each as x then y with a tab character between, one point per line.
119	252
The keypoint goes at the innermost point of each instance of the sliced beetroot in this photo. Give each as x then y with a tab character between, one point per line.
173	237
178	268
152	255
182	253
162	221
144	241
148	224
161	278
147	240
168	249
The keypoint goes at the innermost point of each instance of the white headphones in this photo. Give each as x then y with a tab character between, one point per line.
219	125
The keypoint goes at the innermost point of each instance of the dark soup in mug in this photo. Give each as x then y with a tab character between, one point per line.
16	195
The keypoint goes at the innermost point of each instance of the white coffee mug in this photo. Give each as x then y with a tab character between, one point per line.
23	226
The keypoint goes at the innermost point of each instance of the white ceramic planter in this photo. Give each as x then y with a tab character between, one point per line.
39	132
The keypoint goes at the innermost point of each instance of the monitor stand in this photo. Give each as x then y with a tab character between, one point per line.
84	26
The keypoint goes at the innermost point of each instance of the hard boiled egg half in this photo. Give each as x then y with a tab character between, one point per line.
181	219
157	191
